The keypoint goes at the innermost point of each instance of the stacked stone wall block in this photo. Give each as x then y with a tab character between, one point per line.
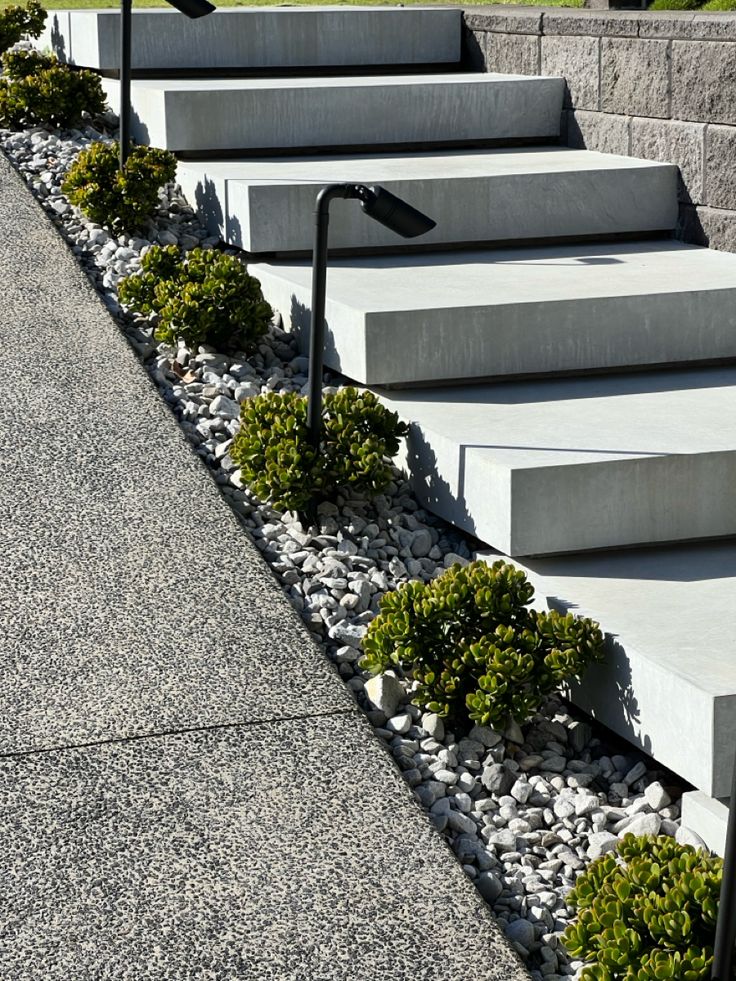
661	86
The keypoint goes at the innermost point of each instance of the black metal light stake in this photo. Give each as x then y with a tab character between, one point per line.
382	206
726	924
192	9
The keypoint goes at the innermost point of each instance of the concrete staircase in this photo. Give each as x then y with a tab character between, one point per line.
551	269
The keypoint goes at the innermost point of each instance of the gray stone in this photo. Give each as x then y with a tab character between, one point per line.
497	779
686	836
656	796
225	407
635	773
676	142
433	725
399	723
625	63
720	154
385	693
521	932
600	131
601	842
591	23
576	60
485	735
503	841
644	824
517	54
704	81
489	886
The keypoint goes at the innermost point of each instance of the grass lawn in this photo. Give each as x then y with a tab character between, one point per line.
99	4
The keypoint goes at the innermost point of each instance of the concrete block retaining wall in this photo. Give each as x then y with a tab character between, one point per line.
661	86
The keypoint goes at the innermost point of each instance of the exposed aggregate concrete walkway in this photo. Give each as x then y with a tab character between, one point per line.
187	791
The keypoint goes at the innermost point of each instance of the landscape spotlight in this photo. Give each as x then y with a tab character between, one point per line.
384	207
193	9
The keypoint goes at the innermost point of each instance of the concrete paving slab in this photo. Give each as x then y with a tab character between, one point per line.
202	115
567	465
669	681
473	195
259	37
131	601
286	850
496	313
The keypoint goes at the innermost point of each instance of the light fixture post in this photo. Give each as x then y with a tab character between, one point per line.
192	9
726	923
385	208
126	25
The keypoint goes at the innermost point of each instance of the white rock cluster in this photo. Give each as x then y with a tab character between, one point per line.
524	811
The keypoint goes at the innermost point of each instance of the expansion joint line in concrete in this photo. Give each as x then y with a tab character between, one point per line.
165	733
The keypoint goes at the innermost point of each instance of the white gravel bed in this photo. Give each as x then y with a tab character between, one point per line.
524	811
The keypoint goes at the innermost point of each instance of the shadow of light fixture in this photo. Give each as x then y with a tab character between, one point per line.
383	207
192	9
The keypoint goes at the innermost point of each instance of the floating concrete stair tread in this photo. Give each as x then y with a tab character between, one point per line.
495	313
542	467
266	205
259	37
198	115
669	680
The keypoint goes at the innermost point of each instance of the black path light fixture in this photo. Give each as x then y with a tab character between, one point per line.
723	952
383	207
193	9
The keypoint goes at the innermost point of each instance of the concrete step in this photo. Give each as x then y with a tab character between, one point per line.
446	316
669	681
202	116
266	205
259	38
564	465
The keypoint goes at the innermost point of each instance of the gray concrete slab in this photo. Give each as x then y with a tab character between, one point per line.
668	683
707	817
285	850
566	465
200	115
473	195
495	313
259	37
131	601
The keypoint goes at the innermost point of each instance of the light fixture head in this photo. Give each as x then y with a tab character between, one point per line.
193	8
400	217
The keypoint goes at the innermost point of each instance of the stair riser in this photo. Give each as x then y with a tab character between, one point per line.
457	342
262	218
552	510
258	38
346	112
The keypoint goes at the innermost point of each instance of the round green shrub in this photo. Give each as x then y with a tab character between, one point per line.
359	435
474	648
204	297
55	96
122	201
21	64
647	911
17	22
720	5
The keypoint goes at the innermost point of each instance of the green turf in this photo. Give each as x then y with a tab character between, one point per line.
98	4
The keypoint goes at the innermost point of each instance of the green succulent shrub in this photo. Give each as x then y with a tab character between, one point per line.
21	64
17	22
272	449
474	647
55	96
122	201
676	5
647	911
203	297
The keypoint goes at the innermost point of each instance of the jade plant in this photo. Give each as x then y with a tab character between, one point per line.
272	449
204	296
646	911
36	90
121	201
474	648
17	22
